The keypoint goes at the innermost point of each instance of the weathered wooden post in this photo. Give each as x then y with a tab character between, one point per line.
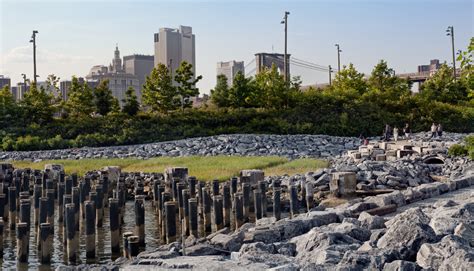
215	187
180	200
25	212
258	203
140	219
133	245
170	209
114	226
192	186
71	232
12	206
68	185
263	188
309	196
293	201
22	241
277	203
193	217
2	224
67	200
76	200
227	202
90	214
50	219
207	211
156	196
239	209
165	197
2	204
125	236
218	221
246	201
186	196
98	206
45	248
61	189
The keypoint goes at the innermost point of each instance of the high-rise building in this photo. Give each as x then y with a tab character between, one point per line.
5	81
172	46
65	86
21	89
230	69
139	65
119	80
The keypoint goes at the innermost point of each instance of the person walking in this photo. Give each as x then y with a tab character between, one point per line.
395	133
434	130
439	130
407	131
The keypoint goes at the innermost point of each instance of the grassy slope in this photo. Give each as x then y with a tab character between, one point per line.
204	168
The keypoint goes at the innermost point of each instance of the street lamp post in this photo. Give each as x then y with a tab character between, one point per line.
330	71
450	32
338	57
33	40
285	61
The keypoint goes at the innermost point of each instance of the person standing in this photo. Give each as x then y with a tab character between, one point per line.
395	133
434	130
387	132
439	130
407	131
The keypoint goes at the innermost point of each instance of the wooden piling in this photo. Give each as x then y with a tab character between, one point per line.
227	203
12	205
193	217
239	210
246	201
22	242
170	209
186	196
263	188
90	214
293	201
114	226
207	210
276	203
71	232
61	189
133	246
218	217
45	250
257	203
140	219
309	196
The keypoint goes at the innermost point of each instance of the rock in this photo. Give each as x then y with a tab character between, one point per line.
228	242
399	265
204	249
465	231
371	221
374	259
406	232
451	253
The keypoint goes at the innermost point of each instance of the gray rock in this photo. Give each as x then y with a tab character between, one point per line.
399	265
451	253
371	221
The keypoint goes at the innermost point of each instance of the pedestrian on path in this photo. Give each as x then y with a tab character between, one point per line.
434	130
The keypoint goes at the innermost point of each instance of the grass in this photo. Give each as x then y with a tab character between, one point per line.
203	167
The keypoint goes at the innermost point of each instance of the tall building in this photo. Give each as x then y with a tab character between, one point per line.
230	69
5	81
172	46
139	65
65	85
21	89
119	80
431	68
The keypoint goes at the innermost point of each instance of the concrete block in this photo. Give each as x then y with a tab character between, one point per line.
254	175
403	153
54	170
176	172
343	183
380	157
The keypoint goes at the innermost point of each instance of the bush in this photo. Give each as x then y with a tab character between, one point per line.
457	150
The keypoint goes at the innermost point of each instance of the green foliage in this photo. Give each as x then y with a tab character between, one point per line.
442	87
9	110
186	84
131	106
220	95
349	82
242	93
158	91
103	100
80	100
457	150
37	105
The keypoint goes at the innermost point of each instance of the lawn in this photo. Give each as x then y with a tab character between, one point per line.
203	167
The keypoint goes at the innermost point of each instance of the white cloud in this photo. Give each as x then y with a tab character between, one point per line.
24	54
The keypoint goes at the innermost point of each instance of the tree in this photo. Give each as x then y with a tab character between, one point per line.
158	91
242	93
467	69
131	106
37	105
349	81
272	88
220	94
9	110
442	87
383	80
80	100
186	85
103	99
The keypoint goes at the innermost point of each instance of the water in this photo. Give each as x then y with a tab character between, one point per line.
58	257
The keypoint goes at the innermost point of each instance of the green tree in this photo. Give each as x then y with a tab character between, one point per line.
384	81
242	93
9	110
186	84
220	94
158	91
80	100
104	101
349	81
131	106
272	87
467	69
37	105
442	87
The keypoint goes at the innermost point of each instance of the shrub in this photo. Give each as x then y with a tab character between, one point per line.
457	150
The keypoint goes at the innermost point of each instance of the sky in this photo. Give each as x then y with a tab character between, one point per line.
76	35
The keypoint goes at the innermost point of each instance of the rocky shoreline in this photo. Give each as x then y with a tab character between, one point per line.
292	146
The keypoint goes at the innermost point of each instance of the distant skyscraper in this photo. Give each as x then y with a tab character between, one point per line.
65	85
172	46
5	81
139	65
119	81
230	69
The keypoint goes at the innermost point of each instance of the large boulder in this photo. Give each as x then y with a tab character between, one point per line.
374	259
400	265
451	253
371	222
445	219
406	232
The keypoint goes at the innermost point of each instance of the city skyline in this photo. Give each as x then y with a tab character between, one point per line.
72	37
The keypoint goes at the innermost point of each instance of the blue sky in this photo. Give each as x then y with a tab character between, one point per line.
75	35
